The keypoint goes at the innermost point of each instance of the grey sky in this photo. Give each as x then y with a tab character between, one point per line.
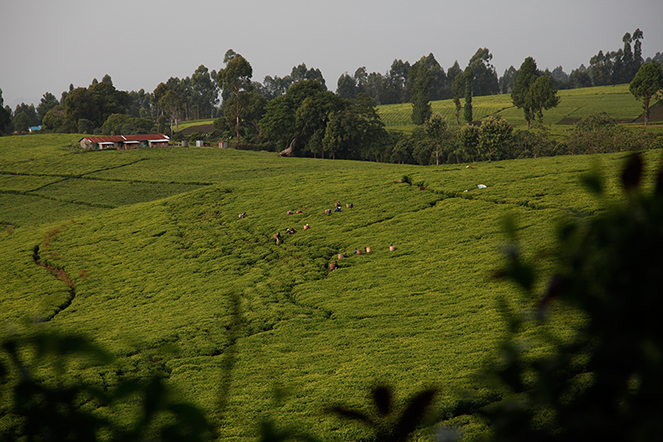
47	44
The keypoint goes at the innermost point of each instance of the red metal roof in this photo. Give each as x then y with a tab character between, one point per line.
124	138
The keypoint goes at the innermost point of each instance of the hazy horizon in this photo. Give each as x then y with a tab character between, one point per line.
45	46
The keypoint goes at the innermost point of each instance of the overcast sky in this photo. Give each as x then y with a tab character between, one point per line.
47	44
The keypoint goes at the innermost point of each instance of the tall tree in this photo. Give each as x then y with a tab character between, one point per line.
399	83
560	76
301	73
205	93
421	81
439	87
520	96
273	87
637	47
467	109
173	104
346	86
507	80
437	129
312	117
355	132
252	109
458	89
30	113
279	123
108	100
21	122
454	71
79	104
647	84
234	79
5	117
54	118
543	96
579	78
48	102
485	80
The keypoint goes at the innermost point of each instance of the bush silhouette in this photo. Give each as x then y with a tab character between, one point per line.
606	382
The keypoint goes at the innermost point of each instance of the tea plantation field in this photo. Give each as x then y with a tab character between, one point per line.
160	262
574	104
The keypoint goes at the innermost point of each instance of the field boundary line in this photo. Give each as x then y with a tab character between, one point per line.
52	198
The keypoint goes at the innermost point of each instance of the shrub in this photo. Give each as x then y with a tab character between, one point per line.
468	138
532	144
598	133
495	139
604	381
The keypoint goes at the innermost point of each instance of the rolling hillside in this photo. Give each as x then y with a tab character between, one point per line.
159	260
574	104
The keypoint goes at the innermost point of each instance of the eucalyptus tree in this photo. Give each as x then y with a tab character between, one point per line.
205	92
421	82
273	87
543	96
301	73
312	117
346	86
30	113
533	92
485	80
79	104
467	109
48	102
235	79
279	124
437	129
399	83
457	89
5	117
507	80
108	100
355	131
349	86
173	104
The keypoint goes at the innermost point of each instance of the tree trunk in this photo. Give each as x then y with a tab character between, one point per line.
645	105
288	152
237	116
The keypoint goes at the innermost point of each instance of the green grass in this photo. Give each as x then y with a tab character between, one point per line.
574	104
158	255
184	124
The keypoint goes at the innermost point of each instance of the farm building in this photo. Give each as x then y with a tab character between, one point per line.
124	141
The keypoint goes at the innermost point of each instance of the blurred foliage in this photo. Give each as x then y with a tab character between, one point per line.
39	401
603	382
386	424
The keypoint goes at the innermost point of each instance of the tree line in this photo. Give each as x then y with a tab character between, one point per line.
299	115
